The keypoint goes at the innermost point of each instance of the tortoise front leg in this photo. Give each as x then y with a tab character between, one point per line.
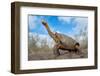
56	50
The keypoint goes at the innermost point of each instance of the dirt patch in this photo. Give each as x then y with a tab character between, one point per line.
48	55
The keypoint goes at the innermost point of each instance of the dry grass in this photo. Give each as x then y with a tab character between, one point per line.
46	53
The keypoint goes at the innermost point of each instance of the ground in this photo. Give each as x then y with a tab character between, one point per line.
48	55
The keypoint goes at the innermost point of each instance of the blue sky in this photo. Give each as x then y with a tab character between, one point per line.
68	25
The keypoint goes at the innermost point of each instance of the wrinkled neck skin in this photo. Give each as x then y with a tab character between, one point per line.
52	35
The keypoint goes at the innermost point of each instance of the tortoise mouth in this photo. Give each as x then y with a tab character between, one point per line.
44	22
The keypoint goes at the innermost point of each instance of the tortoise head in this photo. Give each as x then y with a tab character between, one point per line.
44	23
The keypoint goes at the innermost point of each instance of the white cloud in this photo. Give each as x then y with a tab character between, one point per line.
81	25
32	22
81	28
58	31
65	19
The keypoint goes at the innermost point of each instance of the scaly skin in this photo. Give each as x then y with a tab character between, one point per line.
69	44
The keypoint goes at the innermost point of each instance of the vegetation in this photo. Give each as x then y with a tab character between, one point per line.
38	49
